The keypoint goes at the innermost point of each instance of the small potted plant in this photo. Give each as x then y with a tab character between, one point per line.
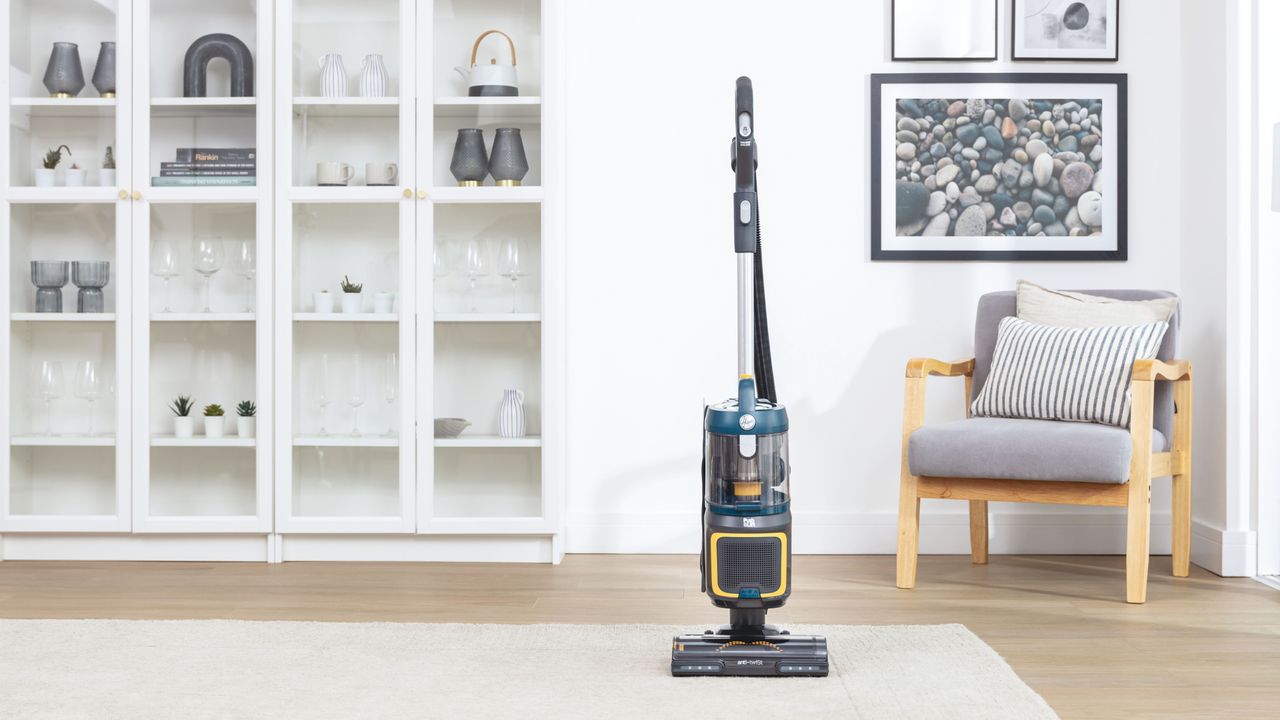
352	299
75	176
107	175
384	303
246	420
324	302
183	423
47	175
213	418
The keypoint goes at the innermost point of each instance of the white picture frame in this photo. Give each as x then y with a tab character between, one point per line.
1087	30
952	30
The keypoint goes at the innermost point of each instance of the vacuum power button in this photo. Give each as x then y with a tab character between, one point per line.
744	212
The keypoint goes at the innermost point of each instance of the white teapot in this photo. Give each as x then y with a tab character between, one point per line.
492	80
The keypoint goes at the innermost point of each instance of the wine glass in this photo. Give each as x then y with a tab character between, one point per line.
355	391
91	385
164	265
477	267
439	261
322	396
391	386
511	265
50	387
206	259
244	266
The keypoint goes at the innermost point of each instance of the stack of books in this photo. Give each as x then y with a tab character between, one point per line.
227	167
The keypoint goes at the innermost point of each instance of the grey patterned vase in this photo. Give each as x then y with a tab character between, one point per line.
49	276
104	73
63	77
469	163
90	276
507	163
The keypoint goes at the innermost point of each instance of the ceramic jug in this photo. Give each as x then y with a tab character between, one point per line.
373	77
507	162
64	77
333	76
470	162
511	414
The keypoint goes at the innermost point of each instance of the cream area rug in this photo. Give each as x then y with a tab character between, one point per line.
234	669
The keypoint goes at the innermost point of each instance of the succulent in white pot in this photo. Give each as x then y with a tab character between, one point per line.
246	419
352	297
107	175
324	302
47	173
183	423
75	176
213	420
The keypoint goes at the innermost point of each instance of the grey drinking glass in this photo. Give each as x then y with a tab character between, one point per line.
49	277
469	163
90	276
507	163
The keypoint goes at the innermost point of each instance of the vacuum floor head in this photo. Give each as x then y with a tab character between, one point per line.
772	653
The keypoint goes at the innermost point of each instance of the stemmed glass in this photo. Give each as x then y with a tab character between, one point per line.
355	391
391	386
322	398
510	265
477	267
91	385
206	259
244	266
164	265
51	388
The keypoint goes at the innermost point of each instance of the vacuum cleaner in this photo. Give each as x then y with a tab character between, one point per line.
746	499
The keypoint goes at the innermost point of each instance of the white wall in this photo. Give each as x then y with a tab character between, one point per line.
651	272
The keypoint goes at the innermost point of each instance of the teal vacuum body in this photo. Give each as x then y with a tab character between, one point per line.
746	502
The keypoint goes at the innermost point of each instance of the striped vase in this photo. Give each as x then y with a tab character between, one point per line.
373	77
511	414
333	76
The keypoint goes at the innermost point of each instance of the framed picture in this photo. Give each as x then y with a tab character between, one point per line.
951	30
1066	30
998	166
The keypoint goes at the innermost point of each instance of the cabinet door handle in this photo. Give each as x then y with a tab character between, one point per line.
408	193
137	194
422	194
124	194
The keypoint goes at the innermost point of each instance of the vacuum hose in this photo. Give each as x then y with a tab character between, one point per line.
763	357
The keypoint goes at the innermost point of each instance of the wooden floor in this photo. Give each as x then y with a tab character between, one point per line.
1201	647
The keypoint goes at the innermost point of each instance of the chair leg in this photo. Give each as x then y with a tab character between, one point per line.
978	531
1138	548
908	532
1182	525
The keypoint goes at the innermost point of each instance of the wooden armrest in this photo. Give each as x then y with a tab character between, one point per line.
922	367
1160	370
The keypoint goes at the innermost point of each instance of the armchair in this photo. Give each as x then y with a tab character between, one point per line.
1015	460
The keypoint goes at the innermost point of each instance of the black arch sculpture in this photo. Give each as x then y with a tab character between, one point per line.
195	67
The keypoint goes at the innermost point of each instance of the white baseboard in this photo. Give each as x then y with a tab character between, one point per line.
416	548
1092	531
1229	553
198	548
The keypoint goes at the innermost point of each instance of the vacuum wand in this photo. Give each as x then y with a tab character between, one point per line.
743	155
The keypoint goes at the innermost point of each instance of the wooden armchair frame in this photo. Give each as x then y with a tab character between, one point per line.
1134	494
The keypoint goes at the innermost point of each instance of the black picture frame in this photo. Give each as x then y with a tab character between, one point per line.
995	39
1013	42
1119	253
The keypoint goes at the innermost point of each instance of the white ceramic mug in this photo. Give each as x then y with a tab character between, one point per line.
378	173
334	173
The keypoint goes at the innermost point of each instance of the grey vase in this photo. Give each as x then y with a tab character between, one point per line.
469	163
195	66
64	77
90	276
507	163
104	73
49	277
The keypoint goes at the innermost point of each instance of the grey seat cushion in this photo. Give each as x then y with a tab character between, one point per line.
1013	449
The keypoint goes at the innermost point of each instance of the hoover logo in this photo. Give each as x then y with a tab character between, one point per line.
748	522
750	662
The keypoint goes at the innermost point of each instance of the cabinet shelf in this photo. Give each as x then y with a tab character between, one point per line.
476	317
489	441
203	106
63	441
63	317
64	195
200	441
514	108
529	194
352	441
66	107
203	317
347	106
347	318
348	194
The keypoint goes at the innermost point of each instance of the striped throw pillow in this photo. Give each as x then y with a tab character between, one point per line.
1044	372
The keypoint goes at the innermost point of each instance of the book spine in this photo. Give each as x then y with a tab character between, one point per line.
191	155
207	173
190	181
208	166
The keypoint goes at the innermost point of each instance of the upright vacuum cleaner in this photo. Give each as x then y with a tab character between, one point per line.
746	504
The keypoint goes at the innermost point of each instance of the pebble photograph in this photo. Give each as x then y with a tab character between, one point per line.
972	167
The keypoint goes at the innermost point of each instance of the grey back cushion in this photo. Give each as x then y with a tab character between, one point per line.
996	306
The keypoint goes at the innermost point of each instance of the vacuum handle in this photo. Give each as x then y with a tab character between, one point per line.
744	104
